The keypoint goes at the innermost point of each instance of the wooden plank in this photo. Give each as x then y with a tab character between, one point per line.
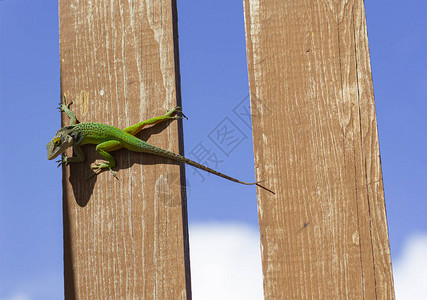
324	232
125	238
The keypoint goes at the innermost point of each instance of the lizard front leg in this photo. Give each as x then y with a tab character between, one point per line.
63	106
135	129
80	156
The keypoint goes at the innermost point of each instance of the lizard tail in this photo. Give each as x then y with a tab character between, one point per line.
180	158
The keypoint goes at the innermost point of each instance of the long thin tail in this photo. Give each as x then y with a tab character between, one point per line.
180	158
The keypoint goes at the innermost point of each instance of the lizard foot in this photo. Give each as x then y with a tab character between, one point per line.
62	161
63	105
176	110
97	167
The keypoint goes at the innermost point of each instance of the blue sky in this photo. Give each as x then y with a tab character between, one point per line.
213	70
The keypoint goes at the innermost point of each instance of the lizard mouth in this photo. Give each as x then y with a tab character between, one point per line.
54	150
52	153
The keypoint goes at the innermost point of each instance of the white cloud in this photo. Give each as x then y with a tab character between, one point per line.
226	264
410	269
225	261
47	285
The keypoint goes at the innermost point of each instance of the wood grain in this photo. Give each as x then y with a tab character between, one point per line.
324	232
125	238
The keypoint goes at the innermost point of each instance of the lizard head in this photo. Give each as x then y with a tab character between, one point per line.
60	142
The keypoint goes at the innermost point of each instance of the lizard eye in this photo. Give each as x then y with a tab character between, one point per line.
57	141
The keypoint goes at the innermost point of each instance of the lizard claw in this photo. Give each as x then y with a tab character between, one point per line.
62	161
114	174
97	167
63	104
93	175
182	116
59	162
176	110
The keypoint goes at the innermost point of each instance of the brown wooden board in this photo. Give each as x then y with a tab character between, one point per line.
324	230
125	238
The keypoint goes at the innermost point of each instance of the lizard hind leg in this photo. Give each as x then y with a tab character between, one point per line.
170	115
104	149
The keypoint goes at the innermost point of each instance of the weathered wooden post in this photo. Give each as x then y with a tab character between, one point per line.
125	238
324	231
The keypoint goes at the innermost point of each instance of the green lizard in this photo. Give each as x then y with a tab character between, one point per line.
109	138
